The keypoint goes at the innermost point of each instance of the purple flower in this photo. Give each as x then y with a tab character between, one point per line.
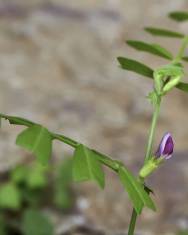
166	147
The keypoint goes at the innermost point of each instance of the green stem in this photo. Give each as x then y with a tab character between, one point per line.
152	129
132	223
180	54
148	155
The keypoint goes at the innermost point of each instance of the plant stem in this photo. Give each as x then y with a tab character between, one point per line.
148	155
181	50
132	222
152	129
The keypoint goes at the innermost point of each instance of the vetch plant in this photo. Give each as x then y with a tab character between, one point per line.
87	162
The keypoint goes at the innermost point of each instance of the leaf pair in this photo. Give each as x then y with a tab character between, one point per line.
153	48
87	167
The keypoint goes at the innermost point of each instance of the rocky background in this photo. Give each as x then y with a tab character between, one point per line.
58	67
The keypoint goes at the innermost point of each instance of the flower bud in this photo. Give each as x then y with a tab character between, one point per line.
166	147
164	152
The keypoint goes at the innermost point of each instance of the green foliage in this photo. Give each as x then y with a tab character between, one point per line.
183	232
28	186
35	223
36	178
135	189
63	197
10	197
163	32
135	66
154	49
183	86
185	58
38	140
86	166
2	226
179	16
19	174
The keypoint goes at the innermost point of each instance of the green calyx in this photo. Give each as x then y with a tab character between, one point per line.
167	77
150	166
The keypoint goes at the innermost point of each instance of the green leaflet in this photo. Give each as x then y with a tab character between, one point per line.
86	166
38	140
154	49
185	58
36	177
179	16
19	174
10	197
135	66
183	86
163	32
135	190
35	223
63	195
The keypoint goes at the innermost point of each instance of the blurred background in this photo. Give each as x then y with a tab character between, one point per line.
58	67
